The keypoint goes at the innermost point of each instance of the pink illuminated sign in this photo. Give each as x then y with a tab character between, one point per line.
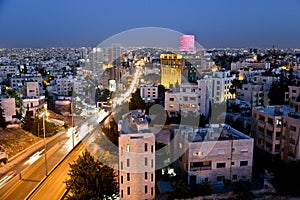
187	43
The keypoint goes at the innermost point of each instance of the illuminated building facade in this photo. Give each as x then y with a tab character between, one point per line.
171	69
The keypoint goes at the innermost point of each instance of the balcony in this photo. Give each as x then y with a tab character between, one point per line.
261	123
193	169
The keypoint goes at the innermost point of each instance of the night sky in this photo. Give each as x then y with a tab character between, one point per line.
215	23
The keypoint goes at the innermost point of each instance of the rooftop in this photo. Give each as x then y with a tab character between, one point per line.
135	121
282	110
215	132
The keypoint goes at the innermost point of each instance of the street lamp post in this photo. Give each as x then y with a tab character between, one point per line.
44	128
72	120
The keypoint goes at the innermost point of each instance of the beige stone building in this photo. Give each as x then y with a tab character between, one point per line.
9	107
136	157
277	130
213	154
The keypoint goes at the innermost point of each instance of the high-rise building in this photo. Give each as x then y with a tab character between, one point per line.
136	157
171	69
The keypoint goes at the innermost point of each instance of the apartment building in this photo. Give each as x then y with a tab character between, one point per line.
190	99
9	107
149	92
293	97
32	104
8	70
218	85
64	86
257	94
212	154
136	157
17	81
31	89
277	130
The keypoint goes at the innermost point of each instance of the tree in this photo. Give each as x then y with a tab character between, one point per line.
3	123
27	121
91	179
285	177
136	102
243	190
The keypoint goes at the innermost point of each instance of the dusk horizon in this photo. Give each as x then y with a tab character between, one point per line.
215	24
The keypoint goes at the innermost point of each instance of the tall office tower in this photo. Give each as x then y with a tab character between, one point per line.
136	157
171	69
193	59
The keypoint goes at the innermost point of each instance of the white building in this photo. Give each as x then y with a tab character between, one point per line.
31	89
219	83
136	157
257	94
64	86
19	80
32	104
8	70
191	99
9	107
149	92
213	154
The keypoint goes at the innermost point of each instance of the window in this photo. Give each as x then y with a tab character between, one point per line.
152	191
151	148
244	163
152	163
121	165
152	177
146	189
146	148
232	163
146	175
221	151
220	178
146	161
171	99
128	176
121	151
121	193
127	147
128	162
221	165
244	150
128	190
200	153
171	106
121	179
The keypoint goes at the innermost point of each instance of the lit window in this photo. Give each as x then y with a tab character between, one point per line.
200	153
127	147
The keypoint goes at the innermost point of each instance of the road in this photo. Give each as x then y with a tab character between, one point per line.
54	187
29	172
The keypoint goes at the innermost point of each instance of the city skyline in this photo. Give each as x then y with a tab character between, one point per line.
216	23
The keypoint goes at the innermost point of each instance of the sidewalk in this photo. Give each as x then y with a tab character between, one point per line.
26	152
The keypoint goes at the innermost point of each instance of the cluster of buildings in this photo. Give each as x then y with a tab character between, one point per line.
193	83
